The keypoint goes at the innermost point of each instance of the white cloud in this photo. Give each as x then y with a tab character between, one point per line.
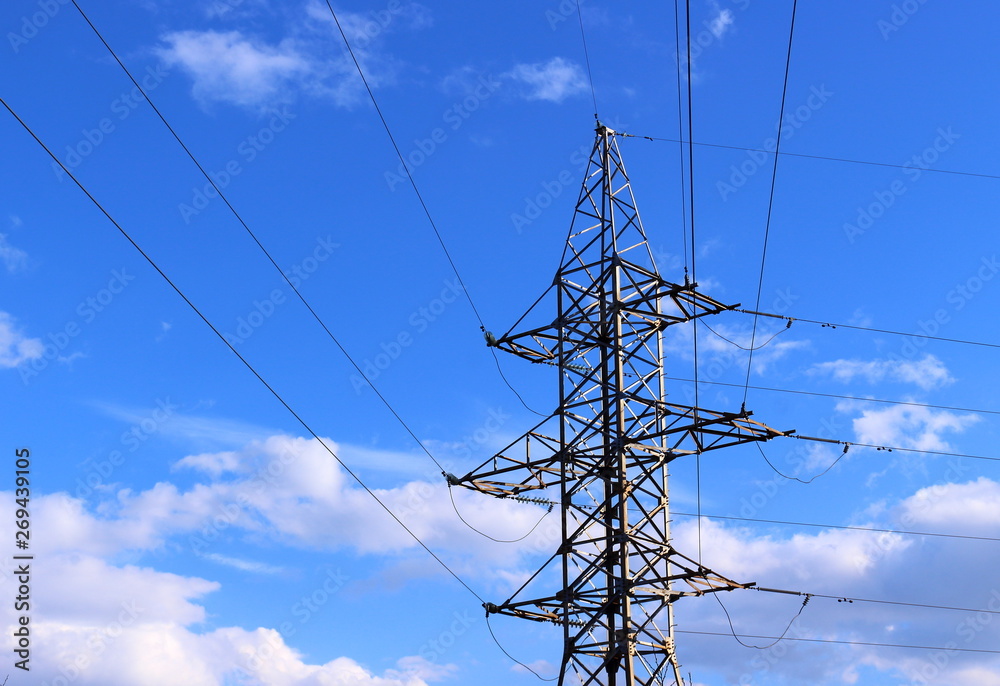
15	347
133	624
279	488
230	67
241	69
725	347
968	507
13	258
244	565
857	564
928	372
553	81
909	426
722	22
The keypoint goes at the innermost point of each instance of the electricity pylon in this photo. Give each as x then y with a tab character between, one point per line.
607	446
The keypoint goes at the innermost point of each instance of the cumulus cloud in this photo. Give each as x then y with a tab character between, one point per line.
909	426
928	372
131	624
859	564
553	81
279	488
15	347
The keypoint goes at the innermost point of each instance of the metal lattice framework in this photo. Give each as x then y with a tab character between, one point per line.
609	443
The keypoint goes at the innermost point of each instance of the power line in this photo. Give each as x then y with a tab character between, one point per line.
852	643
795	478
680	135
842	397
586	54
420	199
694	268
829	325
814	157
770	200
732	628
253	236
229	345
454	506
841	526
889	448
511	657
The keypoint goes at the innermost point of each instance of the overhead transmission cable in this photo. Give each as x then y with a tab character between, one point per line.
586	55
841	396
680	137
869	529
770	201
828	325
694	263
253	236
837	642
229	345
849	599
795	478
892	448
423	204
274	263
788	627
811	157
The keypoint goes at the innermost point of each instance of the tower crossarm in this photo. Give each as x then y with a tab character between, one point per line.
710	429
532	462
650	299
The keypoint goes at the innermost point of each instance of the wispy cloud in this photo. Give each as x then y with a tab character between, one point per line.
242	69
15	347
244	565
553	81
13	258
722	22
232	67
927	373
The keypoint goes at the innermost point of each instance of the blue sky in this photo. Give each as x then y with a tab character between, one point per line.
187	529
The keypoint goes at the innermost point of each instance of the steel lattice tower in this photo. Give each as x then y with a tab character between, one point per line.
608	445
